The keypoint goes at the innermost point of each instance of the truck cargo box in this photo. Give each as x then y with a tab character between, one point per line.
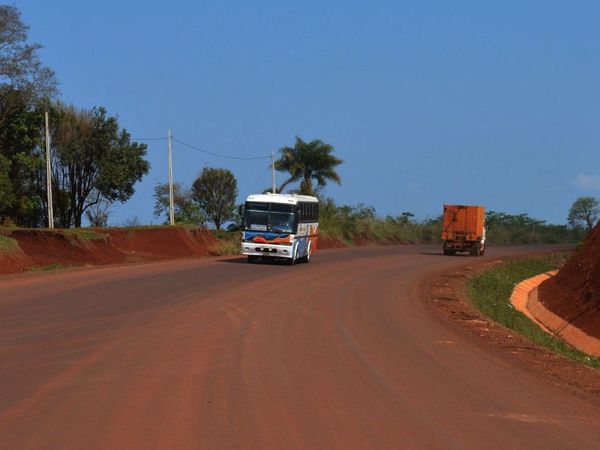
463	229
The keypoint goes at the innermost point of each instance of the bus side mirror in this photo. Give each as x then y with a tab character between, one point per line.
241	210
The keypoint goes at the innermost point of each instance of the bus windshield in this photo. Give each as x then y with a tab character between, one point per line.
273	217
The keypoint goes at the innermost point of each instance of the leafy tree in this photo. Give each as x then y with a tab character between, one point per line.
6	190
585	211
215	190
186	209
93	155
25	84
20	140
306	161
22	75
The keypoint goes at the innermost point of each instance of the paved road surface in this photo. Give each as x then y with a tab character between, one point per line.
211	354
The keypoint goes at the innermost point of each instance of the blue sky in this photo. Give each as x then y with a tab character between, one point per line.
431	102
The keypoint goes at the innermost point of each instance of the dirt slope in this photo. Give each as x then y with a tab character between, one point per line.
43	248
574	293
161	243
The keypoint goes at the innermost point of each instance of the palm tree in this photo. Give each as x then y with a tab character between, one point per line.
306	161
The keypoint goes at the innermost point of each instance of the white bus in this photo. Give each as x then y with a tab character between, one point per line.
280	226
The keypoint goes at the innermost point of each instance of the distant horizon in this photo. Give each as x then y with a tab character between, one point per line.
470	103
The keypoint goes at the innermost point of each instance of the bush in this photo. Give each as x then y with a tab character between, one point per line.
229	243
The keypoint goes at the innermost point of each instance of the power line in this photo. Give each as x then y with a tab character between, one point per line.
150	139
192	147
218	154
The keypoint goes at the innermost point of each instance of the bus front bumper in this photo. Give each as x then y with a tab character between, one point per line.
268	250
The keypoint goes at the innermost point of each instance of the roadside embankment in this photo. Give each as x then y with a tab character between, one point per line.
29	249
574	293
525	298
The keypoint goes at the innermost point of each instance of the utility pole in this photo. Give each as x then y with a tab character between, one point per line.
171	205
49	176
274	190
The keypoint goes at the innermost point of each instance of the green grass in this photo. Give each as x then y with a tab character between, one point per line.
490	292
48	268
141	227
185	226
7	244
85	234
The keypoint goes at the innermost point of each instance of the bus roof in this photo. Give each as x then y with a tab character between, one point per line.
281	198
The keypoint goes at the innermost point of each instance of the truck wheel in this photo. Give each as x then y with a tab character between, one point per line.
449	252
476	249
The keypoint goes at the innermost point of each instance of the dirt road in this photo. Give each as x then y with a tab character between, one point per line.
340	353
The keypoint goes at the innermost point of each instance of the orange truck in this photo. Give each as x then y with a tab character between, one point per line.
463	229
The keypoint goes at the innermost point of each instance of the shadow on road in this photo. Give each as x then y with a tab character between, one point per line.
458	255
236	260
267	261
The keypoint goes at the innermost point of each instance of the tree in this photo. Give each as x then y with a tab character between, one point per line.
22	75
585	211
215	190
186	209
23	161
6	189
306	161
25	86
93	156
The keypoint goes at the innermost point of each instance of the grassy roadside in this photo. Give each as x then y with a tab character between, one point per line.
7	244
48	268
490	292
228	243
86	234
